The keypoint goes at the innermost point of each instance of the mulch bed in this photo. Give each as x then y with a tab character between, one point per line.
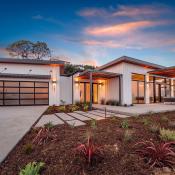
58	154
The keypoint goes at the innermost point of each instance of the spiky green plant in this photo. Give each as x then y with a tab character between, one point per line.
124	124
167	135
32	168
49	125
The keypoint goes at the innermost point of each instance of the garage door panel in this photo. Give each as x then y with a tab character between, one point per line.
41	101
26	90
9	90
24	93
27	84
11	102
11	84
28	96
11	96
27	102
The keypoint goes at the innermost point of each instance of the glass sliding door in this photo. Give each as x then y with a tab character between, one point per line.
138	89
85	92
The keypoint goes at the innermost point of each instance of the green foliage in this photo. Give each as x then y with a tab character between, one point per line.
75	108
128	135
49	125
70	68
93	124
154	128
28	49
85	106
164	119
167	135
28	148
32	168
145	121
40	50
62	108
124	124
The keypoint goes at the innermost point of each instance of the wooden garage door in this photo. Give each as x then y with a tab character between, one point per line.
19	93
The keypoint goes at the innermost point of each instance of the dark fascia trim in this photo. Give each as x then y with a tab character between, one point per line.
30	76
131	61
99	71
31	61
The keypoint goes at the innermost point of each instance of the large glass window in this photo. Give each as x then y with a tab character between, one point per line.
138	88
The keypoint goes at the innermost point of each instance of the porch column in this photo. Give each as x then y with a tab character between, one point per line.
147	99
90	90
172	88
120	90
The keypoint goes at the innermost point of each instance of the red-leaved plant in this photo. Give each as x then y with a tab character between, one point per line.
89	150
157	155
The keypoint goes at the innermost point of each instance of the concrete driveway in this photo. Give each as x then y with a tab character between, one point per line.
15	121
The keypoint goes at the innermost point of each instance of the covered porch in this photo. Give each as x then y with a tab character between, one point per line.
96	86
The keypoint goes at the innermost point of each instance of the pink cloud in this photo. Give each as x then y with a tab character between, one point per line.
132	11
106	43
119	29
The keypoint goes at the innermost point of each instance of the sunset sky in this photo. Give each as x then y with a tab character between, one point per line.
93	31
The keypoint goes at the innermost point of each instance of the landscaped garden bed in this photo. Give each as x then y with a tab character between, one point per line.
67	108
112	142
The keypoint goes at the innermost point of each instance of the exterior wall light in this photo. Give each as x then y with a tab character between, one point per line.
54	82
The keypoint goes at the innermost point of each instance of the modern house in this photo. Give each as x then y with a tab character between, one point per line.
124	80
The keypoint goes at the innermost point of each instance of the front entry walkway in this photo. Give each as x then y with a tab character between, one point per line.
137	109
15	121
77	118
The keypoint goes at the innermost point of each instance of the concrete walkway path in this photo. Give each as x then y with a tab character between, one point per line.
15	121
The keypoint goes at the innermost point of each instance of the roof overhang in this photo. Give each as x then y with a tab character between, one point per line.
166	72
96	75
130	60
32	61
29	76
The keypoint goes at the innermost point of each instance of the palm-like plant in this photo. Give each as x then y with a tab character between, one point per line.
156	155
89	150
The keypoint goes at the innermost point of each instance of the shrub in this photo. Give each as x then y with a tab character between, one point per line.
62	108
171	124
32	168
124	124
89	151
85	106
128	135
102	101
167	135
154	128
93	124
75	108
28	148
43	136
156	155
49	125
164	119
112	103
146	121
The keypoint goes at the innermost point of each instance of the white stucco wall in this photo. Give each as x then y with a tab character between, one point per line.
53	70
112	89
126	70
66	89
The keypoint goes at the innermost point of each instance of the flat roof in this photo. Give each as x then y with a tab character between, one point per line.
32	76
31	61
131	61
166	72
97	74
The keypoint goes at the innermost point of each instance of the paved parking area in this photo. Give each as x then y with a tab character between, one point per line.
15	121
77	118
